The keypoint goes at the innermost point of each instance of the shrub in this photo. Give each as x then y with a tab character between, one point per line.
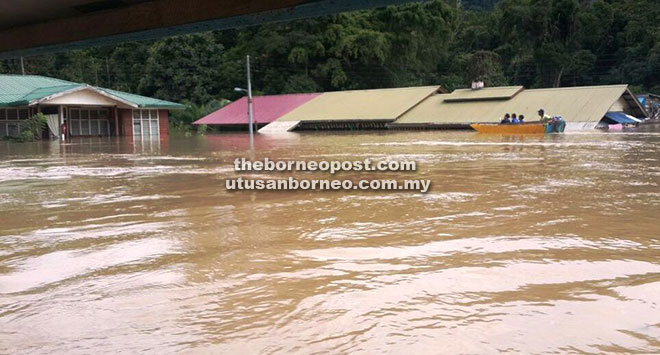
201	129
181	120
26	136
32	128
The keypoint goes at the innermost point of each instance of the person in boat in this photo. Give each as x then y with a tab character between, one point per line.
514	119
558	124
506	119
545	119
521	118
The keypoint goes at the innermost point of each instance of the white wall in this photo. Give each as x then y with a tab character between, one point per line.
620	105
84	97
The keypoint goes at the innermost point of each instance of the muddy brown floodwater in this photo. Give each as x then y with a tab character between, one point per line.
524	245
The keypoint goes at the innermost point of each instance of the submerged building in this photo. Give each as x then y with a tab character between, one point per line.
353	109
431	107
85	110
266	109
581	107
651	103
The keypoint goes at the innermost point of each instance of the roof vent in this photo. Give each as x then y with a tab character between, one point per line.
477	85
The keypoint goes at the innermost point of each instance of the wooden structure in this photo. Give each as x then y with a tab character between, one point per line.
31	27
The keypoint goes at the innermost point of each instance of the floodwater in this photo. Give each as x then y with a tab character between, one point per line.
530	244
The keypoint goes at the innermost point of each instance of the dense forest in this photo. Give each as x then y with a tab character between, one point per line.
535	43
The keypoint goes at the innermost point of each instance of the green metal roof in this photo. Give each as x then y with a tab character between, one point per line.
142	101
15	89
42	92
23	90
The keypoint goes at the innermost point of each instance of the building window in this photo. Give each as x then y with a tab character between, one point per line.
13	130
14	114
145	123
89	121
10	118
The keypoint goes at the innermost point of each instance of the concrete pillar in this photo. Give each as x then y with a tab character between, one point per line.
60	120
116	114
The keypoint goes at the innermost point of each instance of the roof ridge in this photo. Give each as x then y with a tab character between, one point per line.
538	89
581	87
293	94
492	87
383	89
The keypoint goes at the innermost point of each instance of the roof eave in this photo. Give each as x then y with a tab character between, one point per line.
164	107
15	104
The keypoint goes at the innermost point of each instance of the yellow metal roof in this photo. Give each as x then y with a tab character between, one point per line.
576	104
379	104
494	93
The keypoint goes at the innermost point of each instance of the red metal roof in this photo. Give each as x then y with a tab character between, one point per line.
266	109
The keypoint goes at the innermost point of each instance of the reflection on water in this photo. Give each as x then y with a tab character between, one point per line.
524	245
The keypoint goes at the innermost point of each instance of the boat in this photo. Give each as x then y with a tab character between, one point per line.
556	127
520	128
525	128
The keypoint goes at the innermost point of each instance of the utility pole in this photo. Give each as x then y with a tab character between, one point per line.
250	112
107	70
248	91
22	66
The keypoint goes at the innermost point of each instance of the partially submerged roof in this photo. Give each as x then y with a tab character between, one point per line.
575	104
25	90
355	105
266	109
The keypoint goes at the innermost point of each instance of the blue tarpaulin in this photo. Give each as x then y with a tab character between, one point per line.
642	100
620	117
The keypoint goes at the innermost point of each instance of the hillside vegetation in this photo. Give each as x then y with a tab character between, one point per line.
536	43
